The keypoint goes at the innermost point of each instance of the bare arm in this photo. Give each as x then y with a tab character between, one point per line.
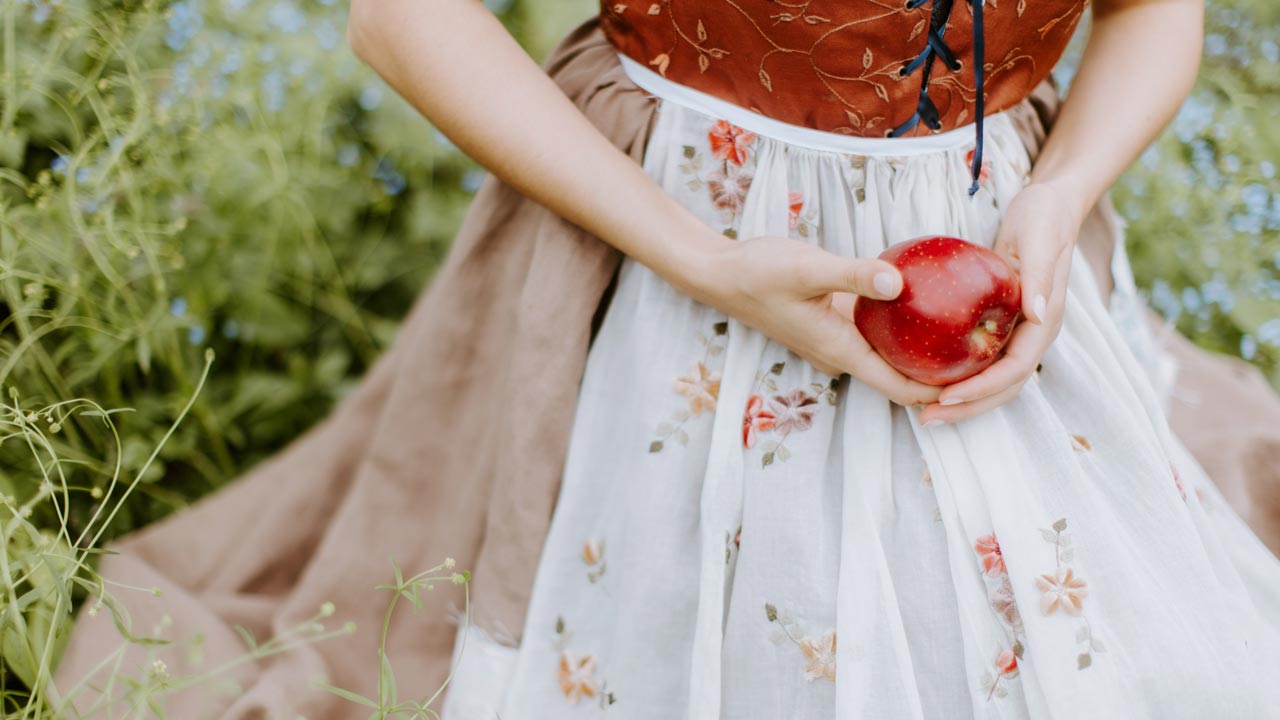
1138	67
460	68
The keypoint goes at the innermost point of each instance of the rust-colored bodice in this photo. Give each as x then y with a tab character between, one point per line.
835	65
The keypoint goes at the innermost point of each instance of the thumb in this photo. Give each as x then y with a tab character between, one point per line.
828	273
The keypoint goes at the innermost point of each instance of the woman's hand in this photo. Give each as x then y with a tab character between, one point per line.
1037	236
800	295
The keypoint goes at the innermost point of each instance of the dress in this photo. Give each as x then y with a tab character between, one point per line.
741	536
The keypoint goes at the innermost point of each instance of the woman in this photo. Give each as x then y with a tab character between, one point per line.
744	531
722	549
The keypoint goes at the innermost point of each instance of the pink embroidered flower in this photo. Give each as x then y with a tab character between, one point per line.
795	203
1002	601
592	551
755	420
1007	662
1177	480
1062	591
992	559
793	411
730	142
729	188
821	653
701	386
985	173
577	677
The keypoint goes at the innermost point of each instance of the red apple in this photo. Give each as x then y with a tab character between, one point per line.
958	306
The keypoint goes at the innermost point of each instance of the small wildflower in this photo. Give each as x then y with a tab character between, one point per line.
159	669
93	609
326	609
349	628
95	492
55	427
317	627
155	591
32	417
459	579
449	563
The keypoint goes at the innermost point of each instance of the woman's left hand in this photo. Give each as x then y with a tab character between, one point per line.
1037	236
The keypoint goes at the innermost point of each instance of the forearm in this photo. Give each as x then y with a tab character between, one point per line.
1138	67
454	62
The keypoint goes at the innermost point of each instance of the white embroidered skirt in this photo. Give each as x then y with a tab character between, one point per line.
741	536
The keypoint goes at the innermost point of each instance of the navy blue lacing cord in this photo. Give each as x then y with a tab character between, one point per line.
926	111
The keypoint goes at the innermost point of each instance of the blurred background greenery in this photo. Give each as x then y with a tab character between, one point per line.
224	174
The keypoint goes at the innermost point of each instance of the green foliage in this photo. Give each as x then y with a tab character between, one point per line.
1203	204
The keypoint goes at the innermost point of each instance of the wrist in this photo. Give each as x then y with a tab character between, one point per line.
1071	194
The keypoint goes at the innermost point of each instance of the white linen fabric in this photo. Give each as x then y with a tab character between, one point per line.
741	536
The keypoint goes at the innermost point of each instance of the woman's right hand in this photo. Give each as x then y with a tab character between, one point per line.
801	296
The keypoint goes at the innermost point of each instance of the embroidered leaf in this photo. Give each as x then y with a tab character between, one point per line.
854	120
783	453
829	397
964	115
1048	535
661	62
777	637
815	19
655	446
619	8
655	9
1081	443
717	53
834	382
559	625
1001	691
721	327
919	28
817	387
703	63
765	80
665	428
1017	648
881	92
715	350
731	233
1060	525
1065	540
702	339
803	229
783	17
681	415
770	612
702	32
776	368
682	437
766	460
866	58
689	151
1082	634
771	385
611	698
1067	555
695	185
1084	661
1022	5
1097	645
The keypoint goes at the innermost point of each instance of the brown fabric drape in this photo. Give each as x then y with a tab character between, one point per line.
453	445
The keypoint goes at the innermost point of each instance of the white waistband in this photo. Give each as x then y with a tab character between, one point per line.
699	101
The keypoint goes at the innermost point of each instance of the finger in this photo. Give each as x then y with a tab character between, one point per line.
1040	264
821	273
857	358
1021	356
940	414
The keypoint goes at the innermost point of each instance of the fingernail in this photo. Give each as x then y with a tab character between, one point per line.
951	401
1038	306
934	423
885	284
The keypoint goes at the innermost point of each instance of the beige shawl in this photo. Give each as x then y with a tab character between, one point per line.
451	446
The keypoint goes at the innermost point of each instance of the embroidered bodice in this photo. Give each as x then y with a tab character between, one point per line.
848	66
